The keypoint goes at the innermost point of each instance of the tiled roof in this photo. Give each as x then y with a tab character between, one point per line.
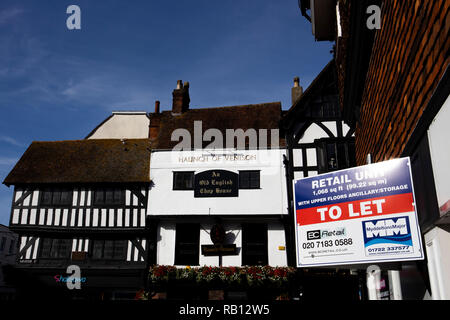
112	161
254	116
83	161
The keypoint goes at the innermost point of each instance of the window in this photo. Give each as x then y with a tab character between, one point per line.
56	197
335	154
11	246
187	242
109	249
424	184
2	244
109	197
254	244
183	180
325	107
55	248
249	179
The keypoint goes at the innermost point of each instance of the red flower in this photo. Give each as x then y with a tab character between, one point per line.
206	270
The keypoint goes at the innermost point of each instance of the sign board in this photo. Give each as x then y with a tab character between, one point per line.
216	183
359	215
219	250
217	234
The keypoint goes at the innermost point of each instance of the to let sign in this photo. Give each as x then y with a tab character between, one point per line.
216	183
358	215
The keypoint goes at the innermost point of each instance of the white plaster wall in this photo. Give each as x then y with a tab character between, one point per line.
165	243
275	240
269	199
298	175
346	129
438	135
133	125
438	253
312	173
311	157
233	234
298	157
312	133
331	125
233	231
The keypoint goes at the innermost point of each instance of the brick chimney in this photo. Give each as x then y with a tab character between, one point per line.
180	102
155	120
297	90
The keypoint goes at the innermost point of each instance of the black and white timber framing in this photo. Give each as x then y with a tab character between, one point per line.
317	139
81	219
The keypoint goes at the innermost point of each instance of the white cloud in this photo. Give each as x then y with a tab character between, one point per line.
108	92
7	161
9	14
11	141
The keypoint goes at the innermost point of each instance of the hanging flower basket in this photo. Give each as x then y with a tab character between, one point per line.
221	277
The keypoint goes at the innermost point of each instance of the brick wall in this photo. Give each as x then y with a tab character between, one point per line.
409	56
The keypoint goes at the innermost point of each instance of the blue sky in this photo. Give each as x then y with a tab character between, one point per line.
58	84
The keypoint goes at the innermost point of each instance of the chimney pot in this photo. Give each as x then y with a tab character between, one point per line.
180	101
155	120
296	91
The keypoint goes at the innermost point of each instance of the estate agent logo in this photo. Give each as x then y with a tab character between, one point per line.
387	236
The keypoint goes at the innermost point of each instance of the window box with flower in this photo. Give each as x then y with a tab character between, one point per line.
223	277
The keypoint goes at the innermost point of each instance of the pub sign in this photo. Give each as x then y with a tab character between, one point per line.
216	183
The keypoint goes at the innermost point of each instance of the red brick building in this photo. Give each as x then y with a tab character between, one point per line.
392	62
409	57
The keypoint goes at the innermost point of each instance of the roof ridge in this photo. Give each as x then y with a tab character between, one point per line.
225	107
90	140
